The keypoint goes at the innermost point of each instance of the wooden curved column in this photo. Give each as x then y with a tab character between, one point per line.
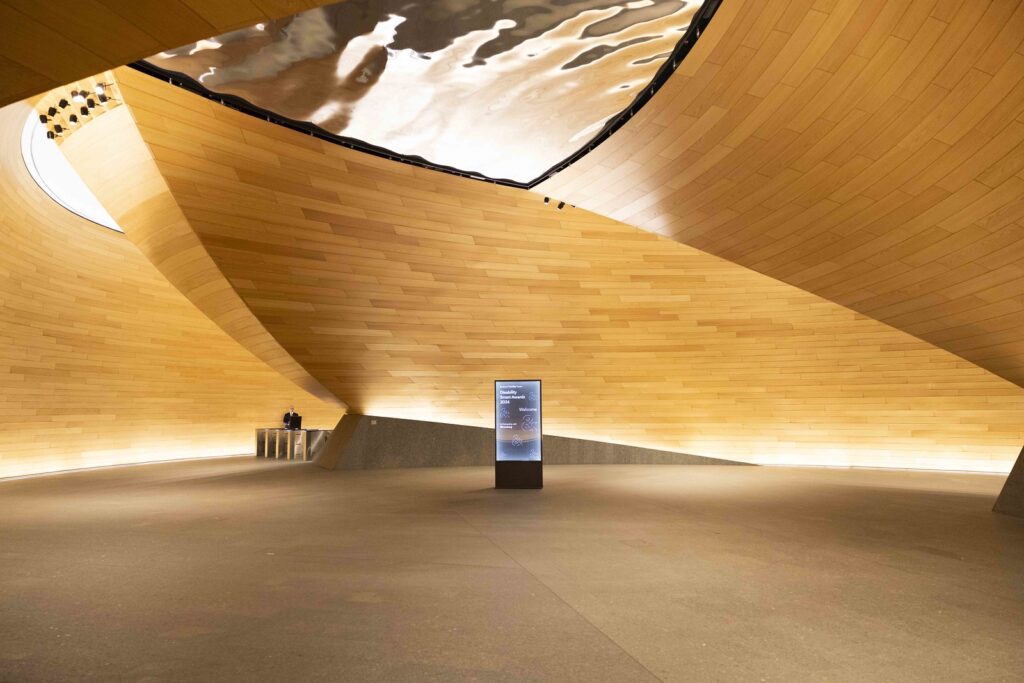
406	292
125	179
868	151
102	361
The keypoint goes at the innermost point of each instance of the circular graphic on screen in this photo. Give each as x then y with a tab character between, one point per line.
505	413
529	423
516	441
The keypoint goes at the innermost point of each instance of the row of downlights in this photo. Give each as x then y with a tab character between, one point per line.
561	204
59	120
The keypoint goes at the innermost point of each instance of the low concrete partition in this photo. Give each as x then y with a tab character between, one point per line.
364	442
1011	499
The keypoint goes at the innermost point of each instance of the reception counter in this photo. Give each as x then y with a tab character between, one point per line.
290	444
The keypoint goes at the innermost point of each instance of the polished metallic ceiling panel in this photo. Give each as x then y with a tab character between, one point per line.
502	88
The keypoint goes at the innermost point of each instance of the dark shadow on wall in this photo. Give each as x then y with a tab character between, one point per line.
1011	498
364	442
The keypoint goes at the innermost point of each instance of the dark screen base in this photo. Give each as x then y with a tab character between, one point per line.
514	474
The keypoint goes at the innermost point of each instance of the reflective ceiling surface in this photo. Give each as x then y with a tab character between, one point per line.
502	88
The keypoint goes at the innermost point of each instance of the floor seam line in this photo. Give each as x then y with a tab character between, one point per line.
561	599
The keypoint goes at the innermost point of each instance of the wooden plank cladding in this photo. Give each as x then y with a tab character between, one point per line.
47	44
405	292
868	151
162	233
102	361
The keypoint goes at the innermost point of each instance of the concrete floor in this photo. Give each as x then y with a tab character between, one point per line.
239	569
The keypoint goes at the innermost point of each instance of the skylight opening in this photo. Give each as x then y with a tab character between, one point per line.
56	177
498	91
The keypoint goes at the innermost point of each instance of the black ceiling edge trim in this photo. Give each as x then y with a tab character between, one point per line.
244	106
700	22
696	30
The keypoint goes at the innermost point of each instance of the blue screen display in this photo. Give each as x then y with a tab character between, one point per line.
517	420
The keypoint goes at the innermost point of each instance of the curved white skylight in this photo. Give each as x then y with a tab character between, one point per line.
57	178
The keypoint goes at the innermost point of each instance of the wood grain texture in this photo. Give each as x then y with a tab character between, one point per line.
102	361
868	151
160	231
406	292
47	44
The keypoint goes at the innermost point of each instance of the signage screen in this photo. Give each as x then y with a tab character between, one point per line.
517	420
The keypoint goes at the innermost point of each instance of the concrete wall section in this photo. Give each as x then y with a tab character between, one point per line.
1011	499
339	440
560	450
362	442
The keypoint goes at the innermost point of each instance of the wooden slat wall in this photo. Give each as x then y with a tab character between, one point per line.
47	44
406	292
162	234
869	151
102	361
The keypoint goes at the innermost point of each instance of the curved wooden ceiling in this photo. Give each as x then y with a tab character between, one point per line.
102	361
47	44
406	292
868	151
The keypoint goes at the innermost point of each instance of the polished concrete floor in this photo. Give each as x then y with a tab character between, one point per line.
239	569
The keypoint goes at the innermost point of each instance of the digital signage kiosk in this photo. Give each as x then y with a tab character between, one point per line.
518	443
